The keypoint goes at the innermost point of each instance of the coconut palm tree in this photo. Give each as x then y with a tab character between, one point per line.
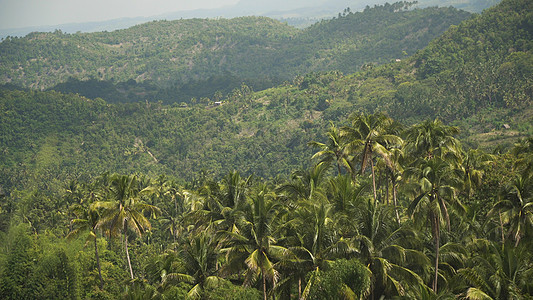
87	221
367	136
234	189
344	193
199	258
472	169
430	139
293	268
196	263
497	271
333	149
394	170
250	244
124	210
433	185
388	250
523	151
433	157
516	207
314	232
307	184
220	204
169	198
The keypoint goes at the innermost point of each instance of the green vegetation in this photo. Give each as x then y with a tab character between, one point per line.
423	223
411	179
198	137
197	57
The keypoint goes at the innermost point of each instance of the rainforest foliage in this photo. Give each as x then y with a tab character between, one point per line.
411	179
383	210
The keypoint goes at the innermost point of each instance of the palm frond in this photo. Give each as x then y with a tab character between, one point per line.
477	294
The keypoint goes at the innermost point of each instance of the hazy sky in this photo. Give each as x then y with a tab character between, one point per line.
27	13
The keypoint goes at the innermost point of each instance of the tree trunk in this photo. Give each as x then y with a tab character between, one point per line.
394	199
373	181
338	157
436	237
127	252
501	227
175	206
299	287
387	191
98	263
436	265
264	285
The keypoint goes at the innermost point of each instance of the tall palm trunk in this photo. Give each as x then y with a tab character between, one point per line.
127	252
299	288
373	181
98	263
501	228
436	240
264	284
387	190
394	199
436	265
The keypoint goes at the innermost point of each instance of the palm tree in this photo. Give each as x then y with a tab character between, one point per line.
234	189
87	220
497	271
432	139
344	194
308	184
434	156
316	230
313	233
220	202
251	245
517	207
171	224
433	186
172	219
124	210
370	135
523	151
196	263
394	170
293	268
73	195
333	149
307	225
200	261
388	250
472	168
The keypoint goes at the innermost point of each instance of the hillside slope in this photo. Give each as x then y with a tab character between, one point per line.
170	53
46	135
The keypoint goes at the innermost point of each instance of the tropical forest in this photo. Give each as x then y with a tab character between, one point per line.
385	153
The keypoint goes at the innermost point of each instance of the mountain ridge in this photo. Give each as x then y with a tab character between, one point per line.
300	17
176	52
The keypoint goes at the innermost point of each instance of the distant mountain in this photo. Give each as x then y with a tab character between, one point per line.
257	50
296	13
77	27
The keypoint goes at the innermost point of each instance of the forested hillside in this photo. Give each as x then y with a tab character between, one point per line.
56	136
383	211
406	180
187	56
477	76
